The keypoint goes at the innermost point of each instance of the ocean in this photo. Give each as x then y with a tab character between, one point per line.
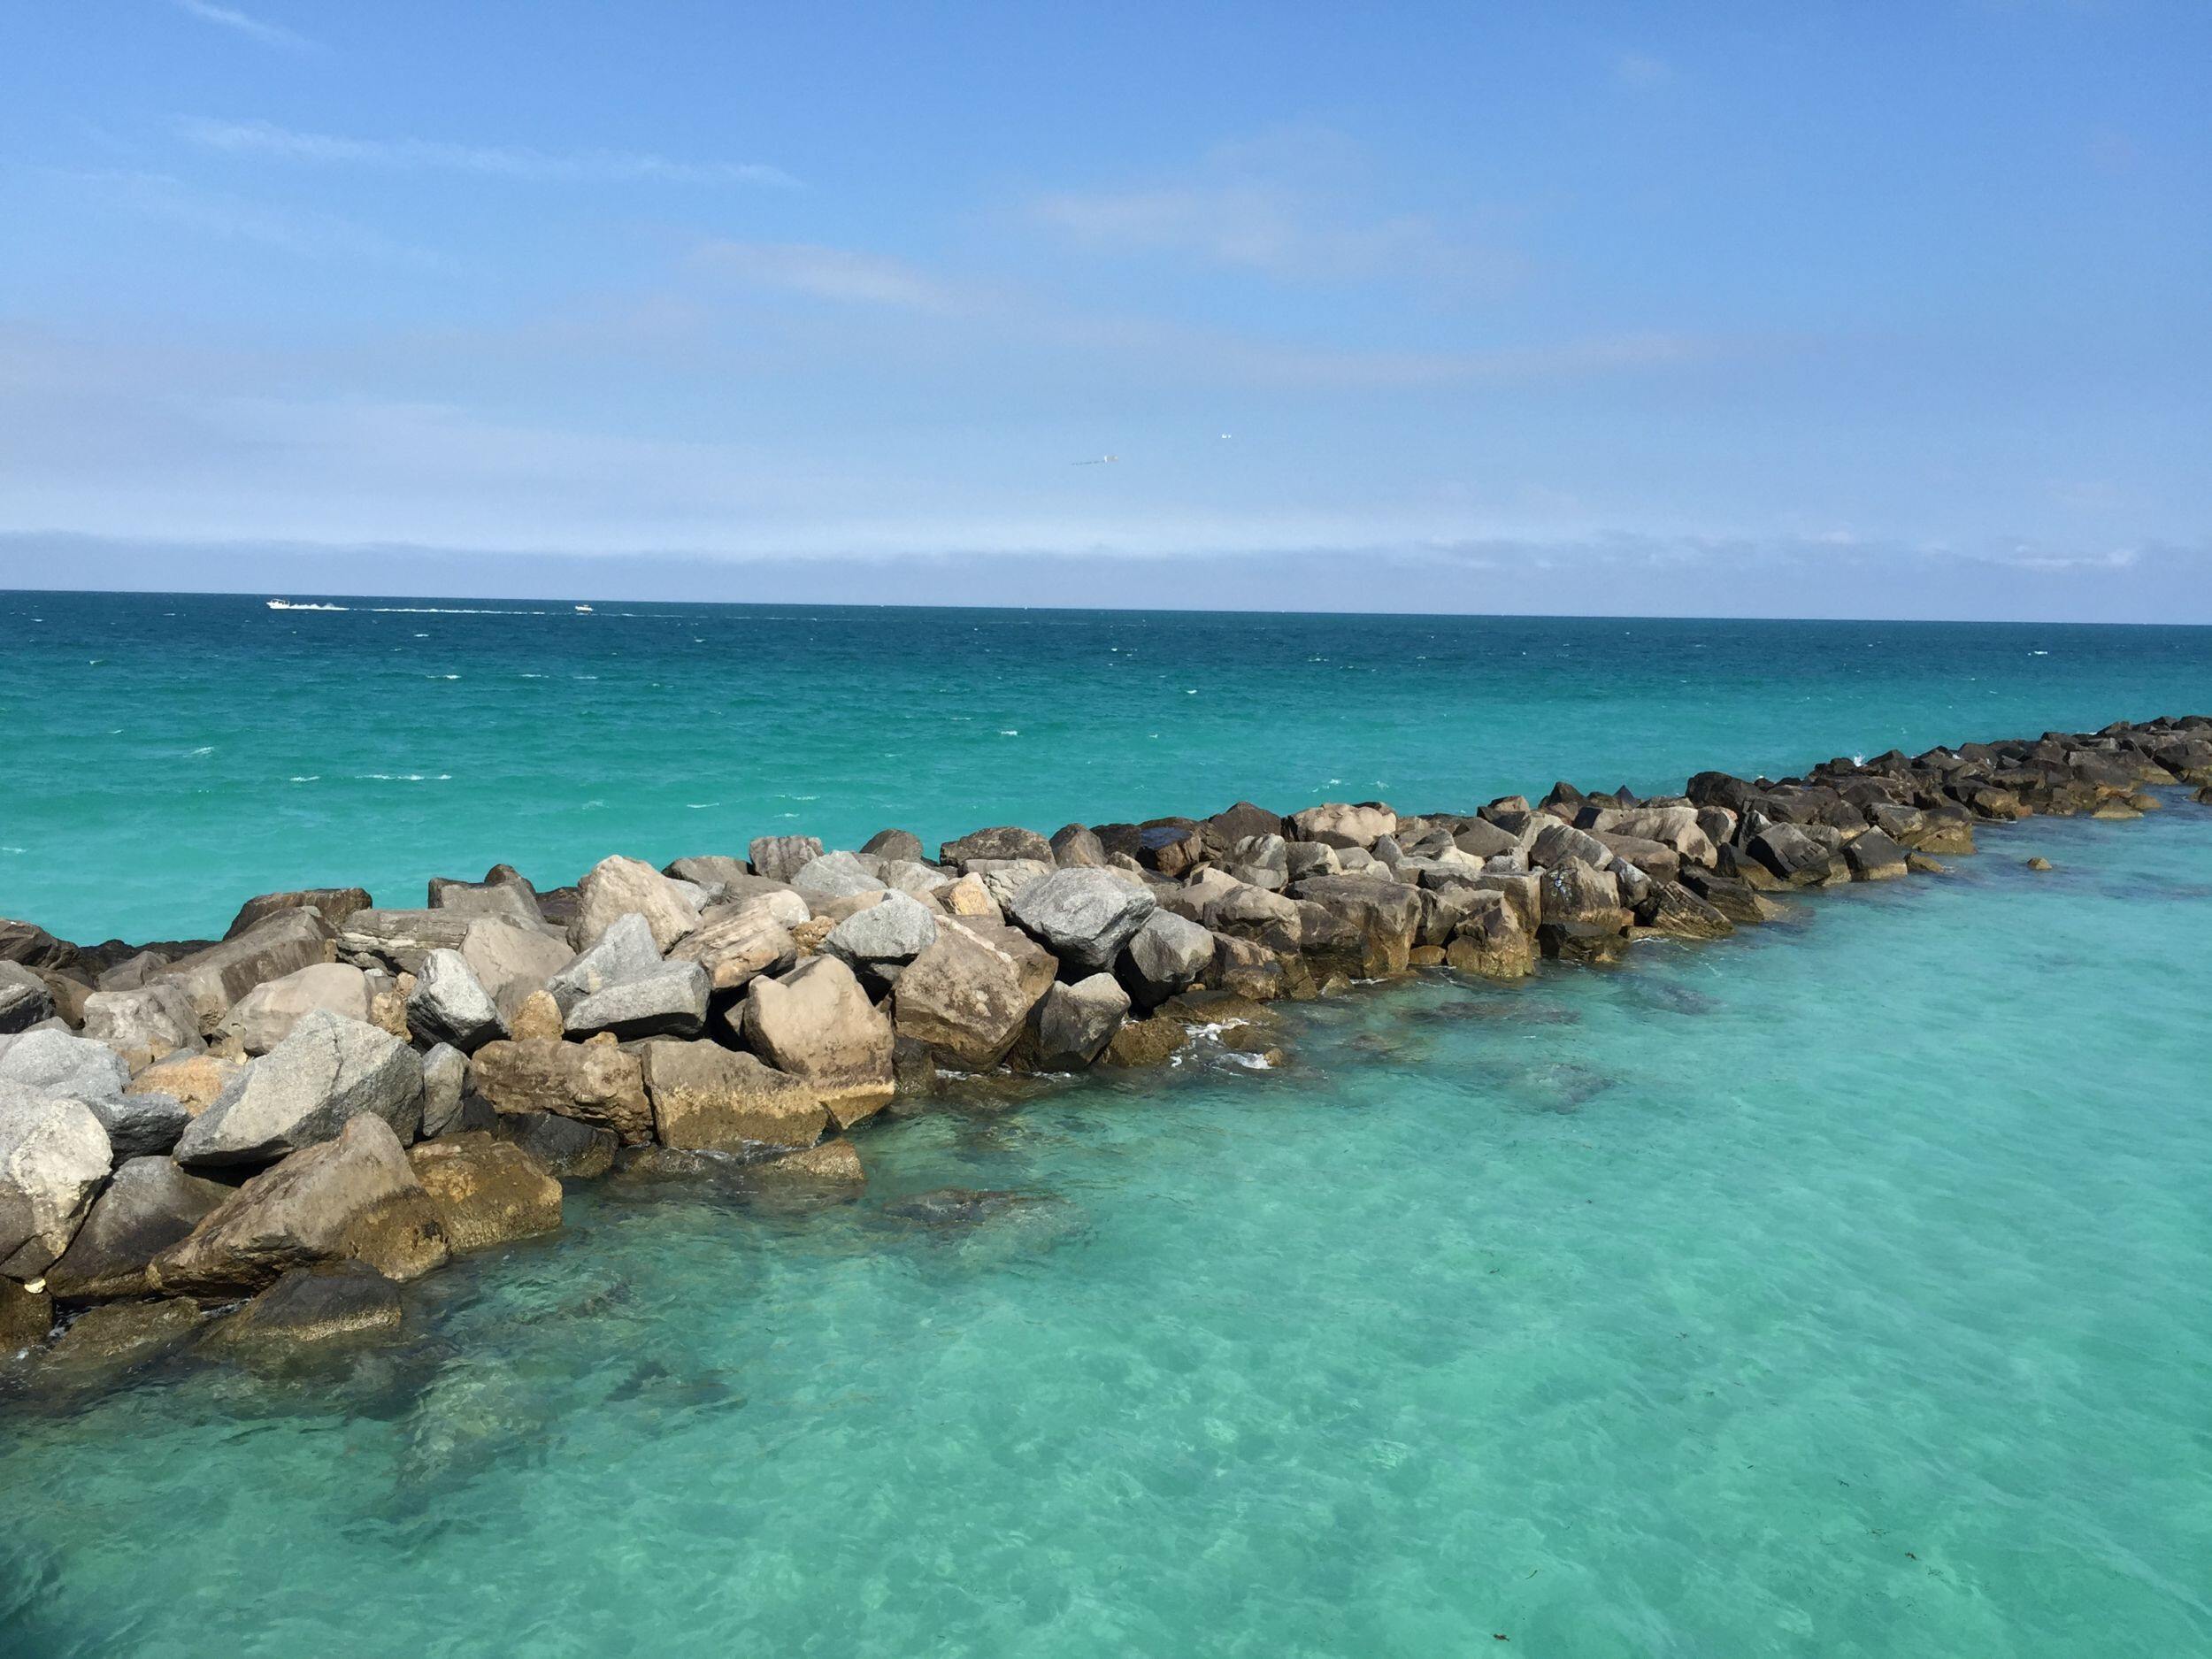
1834	1290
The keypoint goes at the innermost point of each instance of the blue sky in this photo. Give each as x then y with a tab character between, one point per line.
1855	309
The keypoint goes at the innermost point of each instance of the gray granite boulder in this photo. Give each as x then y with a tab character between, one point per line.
1362	924
150	1205
1083	916
53	1156
61	1062
354	1198
265	1016
449	1005
400	939
615	888
1166	954
444	1079
1073	1024
1004	878
837	876
625	950
780	858
307	1089
510	961
671	1000
882	939
816	1023
141	1123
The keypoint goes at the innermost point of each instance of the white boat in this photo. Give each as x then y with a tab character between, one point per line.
286	604
583	610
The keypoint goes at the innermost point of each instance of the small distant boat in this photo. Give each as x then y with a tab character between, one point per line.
583	610
286	604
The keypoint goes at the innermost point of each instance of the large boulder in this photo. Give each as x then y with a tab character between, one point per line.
1872	857
738	944
53	1156
265	1016
596	1083
1675	909
450	1005
880	941
569	1148
1005	879
836	876
1073	1024
333	904
1337	824
615	888
669	1002
1077	847
1677	828
142	1122
780	858
31	946
511	901
355	1198
895	843
304	1091
486	1190
1083	916
316	1304
707	1098
212	980
1794	857
149	1206
401	939
625	951
1489	940
1370	923
1002	841
1244	912
966	997
24	999
1168	954
1241	822
196	1081
1171	845
510	961
61	1062
444	1081
816	1023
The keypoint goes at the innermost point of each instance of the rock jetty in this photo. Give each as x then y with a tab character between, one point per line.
251	1140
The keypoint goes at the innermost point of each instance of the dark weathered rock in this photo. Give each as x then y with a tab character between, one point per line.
1168	954
895	843
1071	1024
142	1122
486	1190
317	1304
669	1002
306	1090
1674	909
1171	845
1077	847
1737	899
105	1342
1370	923
1489	940
1144	1042
571	1149
24	998
53	1156
967	995
512	901
1872	857
1082	916
1004	841
1246	968
150	1205
32	946
212	980
1791	856
1244	821
399	940
596	1083
780	858
27	1317
706	1098
353	1198
333	904
817	1024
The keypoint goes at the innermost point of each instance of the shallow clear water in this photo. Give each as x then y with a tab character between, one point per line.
1837	1290
172	755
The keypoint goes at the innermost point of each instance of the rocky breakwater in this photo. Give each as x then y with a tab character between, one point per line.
253	1139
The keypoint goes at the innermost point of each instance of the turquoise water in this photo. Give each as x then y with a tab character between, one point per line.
172	755
1836	1291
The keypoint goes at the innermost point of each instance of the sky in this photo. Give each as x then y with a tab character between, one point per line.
1851	308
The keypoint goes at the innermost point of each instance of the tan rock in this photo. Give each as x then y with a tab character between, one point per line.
837	1160
966	996
387	1012
539	1016
1145	1042
486	1190
352	1199
593	1082
707	1098
265	1016
736	945
615	888
194	1080
281	943
816	1023
968	897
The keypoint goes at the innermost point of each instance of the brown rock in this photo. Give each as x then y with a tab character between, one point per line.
707	1098
967	995
26	1317
593	1082
836	1160
486	1190
540	1018
194	1080
817	1024
334	905
353	1198
1145	1042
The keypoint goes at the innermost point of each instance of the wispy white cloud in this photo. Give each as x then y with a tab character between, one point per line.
1293	205
509	161
230	18
842	274
308	234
